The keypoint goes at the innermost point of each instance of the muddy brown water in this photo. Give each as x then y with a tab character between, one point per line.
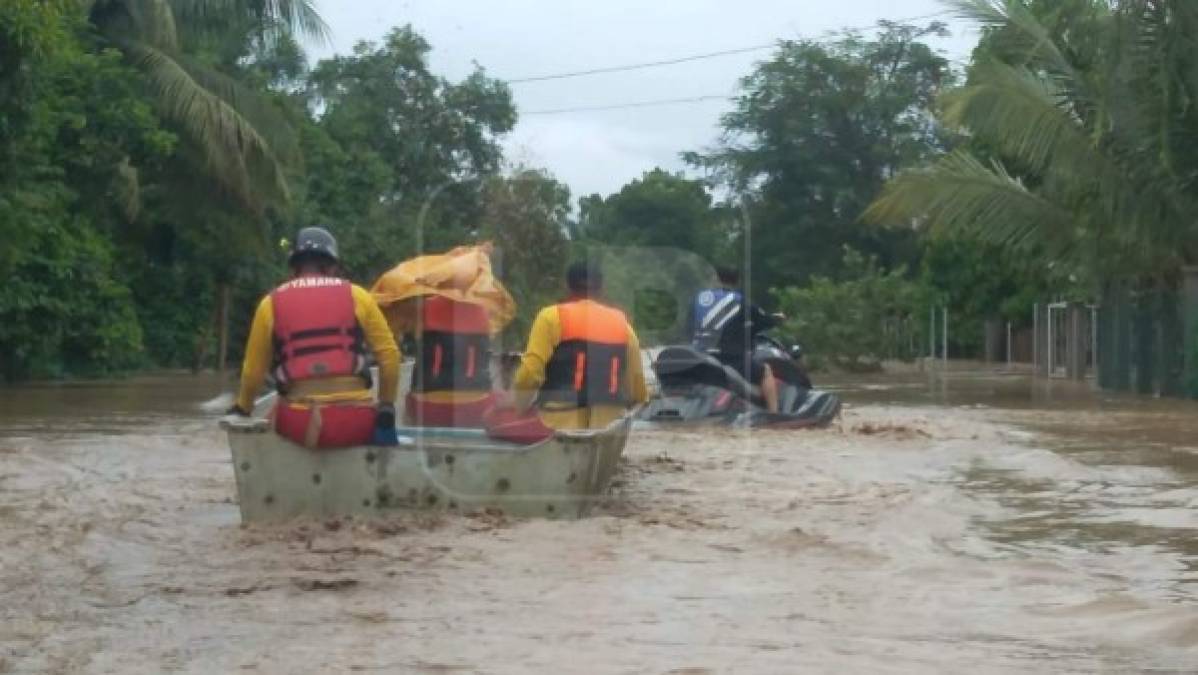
976	522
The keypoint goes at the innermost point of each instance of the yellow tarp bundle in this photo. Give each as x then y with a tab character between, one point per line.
463	274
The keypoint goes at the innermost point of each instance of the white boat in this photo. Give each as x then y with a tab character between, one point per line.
432	468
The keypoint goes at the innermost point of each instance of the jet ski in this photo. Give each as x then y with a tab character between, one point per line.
695	386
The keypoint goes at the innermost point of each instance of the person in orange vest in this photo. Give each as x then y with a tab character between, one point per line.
313	332
451	381
582	367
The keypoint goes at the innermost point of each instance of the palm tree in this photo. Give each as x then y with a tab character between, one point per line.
233	138
1078	140
239	139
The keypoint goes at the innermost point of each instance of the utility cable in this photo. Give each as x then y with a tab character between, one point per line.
636	104
694	57
648	64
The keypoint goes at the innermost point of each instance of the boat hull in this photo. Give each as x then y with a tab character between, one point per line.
444	469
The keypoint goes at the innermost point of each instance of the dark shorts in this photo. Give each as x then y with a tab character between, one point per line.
747	368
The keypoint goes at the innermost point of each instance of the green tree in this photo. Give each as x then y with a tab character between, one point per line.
233	136
658	209
423	145
817	131
156	154
64	177
525	217
1086	119
981	281
859	320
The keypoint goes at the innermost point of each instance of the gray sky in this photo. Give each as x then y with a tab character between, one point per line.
599	151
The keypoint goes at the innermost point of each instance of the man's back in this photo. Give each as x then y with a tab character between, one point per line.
714	311
721	322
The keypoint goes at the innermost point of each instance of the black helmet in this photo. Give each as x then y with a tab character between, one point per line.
315	241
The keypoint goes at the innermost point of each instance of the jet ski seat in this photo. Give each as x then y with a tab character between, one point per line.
680	366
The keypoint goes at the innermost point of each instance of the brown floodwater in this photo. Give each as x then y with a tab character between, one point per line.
978	521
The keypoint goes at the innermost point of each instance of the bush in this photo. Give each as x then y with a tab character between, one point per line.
63	312
857	322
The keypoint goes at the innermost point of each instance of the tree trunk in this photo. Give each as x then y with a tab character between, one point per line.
224	292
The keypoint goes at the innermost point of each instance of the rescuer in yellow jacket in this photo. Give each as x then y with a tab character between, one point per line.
312	333
582	367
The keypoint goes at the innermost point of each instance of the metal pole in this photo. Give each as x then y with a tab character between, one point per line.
932	332
1051	343
945	327
1008	344
1036	337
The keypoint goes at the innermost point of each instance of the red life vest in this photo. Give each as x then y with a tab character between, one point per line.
589	366
316	333
454	349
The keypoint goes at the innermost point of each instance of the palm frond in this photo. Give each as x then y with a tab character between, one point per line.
257	110
1035	40
236	153
1028	121
297	16
1022	114
959	195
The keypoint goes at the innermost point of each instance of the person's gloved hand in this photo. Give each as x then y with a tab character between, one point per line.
384	416
236	409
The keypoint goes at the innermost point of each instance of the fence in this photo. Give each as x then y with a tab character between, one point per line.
1134	339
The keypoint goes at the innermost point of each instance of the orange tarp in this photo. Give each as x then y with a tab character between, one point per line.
463	274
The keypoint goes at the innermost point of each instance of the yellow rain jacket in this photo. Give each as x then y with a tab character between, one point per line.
543	339
259	354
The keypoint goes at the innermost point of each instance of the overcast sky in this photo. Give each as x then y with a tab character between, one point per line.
599	151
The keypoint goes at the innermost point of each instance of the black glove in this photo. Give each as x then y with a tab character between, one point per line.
384	416
236	410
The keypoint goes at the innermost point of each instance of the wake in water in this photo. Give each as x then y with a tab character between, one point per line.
217	405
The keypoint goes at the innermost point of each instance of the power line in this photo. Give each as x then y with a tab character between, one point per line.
693	57
636	104
639	66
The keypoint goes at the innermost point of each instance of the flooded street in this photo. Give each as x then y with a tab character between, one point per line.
979	522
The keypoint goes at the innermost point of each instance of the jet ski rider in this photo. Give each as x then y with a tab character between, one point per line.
718	327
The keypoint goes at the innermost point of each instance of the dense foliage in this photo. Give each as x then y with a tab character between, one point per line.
815	134
525	216
397	156
156	155
1081	122
866	316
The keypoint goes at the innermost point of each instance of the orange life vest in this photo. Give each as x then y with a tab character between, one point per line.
454	348
589	366
316	333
